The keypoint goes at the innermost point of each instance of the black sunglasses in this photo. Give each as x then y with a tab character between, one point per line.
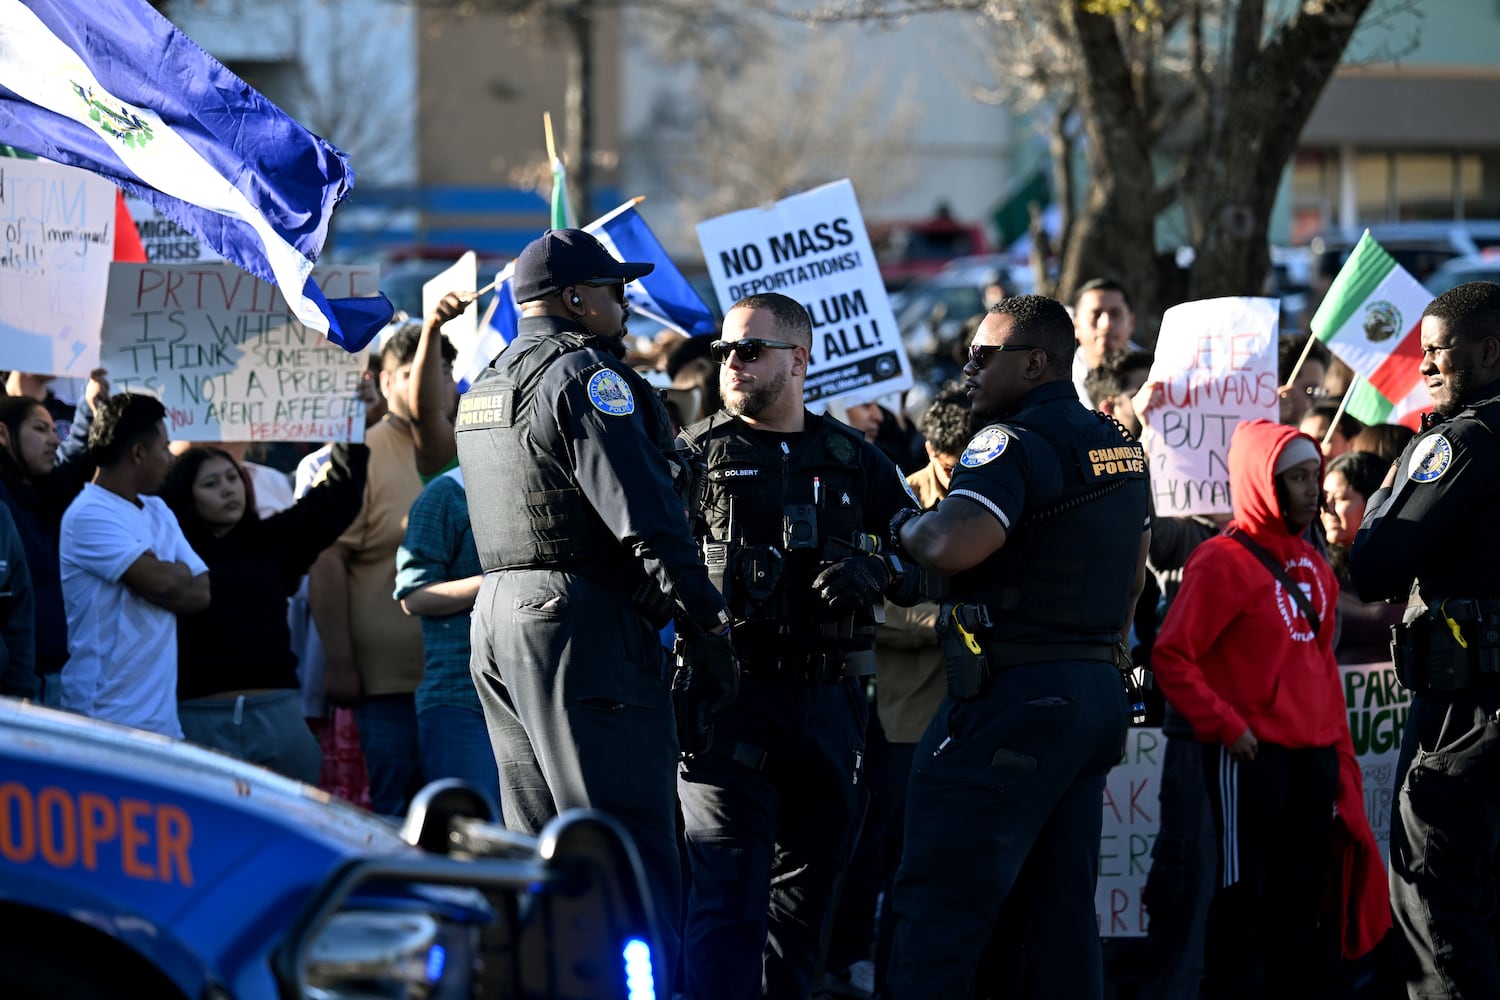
748	349
977	352
615	283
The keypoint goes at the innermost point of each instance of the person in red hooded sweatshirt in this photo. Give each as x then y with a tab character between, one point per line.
1246	655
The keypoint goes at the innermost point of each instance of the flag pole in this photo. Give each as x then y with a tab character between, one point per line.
547	128
1297	368
1333	422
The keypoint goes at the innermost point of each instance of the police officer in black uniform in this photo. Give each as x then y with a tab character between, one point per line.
1044	532
789	507
1430	536
565	452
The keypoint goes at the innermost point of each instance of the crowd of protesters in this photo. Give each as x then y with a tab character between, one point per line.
157	590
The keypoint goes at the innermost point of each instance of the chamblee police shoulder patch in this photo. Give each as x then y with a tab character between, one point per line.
1430	459
609	393
985	447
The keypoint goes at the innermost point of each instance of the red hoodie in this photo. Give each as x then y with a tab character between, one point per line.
1235	650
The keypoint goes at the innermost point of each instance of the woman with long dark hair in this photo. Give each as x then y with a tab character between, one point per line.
37	485
237	686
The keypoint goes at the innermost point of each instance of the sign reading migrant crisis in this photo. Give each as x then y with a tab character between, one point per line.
227	358
813	248
1216	366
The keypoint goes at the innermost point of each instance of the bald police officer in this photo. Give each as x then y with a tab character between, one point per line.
583	540
1044	531
1430	536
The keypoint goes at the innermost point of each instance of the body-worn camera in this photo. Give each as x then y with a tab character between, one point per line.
799	527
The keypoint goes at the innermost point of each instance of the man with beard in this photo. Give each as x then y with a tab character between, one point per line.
1044	531
583	544
1430	535
787	505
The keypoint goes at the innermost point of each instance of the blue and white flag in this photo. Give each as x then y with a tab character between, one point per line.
664	294
112	87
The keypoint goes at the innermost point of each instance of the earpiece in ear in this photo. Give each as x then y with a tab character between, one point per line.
576	300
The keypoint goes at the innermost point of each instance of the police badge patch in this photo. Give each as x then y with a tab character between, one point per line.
984	448
609	393
1430	459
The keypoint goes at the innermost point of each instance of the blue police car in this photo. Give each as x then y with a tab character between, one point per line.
132	865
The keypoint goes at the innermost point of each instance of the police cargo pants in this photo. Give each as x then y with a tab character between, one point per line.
771	814
1009	779
574	689
1445	834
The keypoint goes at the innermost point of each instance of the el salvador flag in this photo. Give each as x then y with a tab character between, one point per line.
664	294
112	87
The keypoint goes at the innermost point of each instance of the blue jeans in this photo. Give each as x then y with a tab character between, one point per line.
456	744
388	737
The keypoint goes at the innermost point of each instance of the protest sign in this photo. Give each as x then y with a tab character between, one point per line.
1131	816
224	353
1378	706
1216	364
462	330
1377	716
164	241
813	247
57	237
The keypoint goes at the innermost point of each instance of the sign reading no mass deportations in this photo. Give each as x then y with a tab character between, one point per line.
1132	812
1216	364
57	237
813	248
223	352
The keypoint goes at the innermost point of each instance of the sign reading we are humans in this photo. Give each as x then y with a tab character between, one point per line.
227	358
813	248
1216	365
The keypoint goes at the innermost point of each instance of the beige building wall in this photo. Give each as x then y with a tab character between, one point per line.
485	81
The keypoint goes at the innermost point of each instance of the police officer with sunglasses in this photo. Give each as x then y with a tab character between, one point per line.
1044	533
789	508
565	455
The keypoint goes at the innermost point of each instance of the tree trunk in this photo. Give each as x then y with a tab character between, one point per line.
1270	101
1114	233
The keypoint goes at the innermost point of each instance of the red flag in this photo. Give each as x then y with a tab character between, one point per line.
128	246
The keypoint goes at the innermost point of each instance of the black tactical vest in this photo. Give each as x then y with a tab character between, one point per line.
524	502
757	502
1066	572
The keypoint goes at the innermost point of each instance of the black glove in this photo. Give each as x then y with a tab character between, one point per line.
707	679
852	583
652	603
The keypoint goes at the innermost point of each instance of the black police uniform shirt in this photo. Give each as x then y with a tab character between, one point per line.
1013	470
1439	522
761	491
598	418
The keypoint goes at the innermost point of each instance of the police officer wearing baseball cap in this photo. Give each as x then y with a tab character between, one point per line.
586	552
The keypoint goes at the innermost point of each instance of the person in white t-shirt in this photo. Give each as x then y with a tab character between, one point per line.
127	572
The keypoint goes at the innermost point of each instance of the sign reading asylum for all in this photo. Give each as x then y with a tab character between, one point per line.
813	248
226	357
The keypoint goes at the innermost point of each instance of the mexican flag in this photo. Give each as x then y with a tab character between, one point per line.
1371	320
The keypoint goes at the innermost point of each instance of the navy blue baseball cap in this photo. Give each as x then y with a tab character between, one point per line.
562	257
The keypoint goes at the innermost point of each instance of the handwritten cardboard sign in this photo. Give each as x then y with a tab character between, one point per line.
1378	708
814	248
57	237
223	353
1216	364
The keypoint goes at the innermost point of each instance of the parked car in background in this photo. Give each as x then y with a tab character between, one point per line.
1420	247
910	249
1460	270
